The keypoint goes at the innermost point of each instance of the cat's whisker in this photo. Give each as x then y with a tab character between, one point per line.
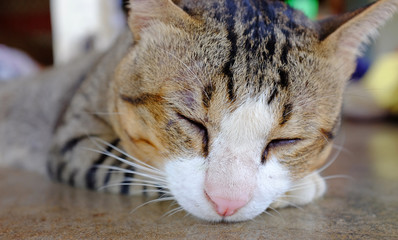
292	197
161	180
273	209
131	184
162	199
290	204
339	177
269	214
307	185
328	164
343	149
127	155
145	181
123	170
135	165
172	212
145	172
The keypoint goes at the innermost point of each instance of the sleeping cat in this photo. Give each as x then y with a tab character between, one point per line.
228	107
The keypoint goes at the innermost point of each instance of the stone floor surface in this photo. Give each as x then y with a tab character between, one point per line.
363	207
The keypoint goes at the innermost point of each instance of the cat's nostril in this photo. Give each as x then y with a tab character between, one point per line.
225	207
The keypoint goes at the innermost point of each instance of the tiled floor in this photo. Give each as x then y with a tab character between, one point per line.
364	207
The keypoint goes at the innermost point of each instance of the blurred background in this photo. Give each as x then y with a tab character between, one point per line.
38	34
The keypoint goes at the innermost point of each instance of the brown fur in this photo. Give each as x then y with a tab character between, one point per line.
167	89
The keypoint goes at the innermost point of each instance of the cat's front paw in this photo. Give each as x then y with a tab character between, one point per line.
302	192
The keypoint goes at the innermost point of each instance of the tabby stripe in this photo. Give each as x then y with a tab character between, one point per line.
284	78
270	46
116	163
273	95
142	99
287	112
232	37
285	50
90	174
69	145
125	189
207	95
72	177
162	192
60	170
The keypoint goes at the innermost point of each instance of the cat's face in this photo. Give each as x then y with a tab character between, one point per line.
233	120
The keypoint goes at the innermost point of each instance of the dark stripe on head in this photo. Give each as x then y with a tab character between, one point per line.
284	78
273	95
287	113
285	50
206	95
142	99
271	45
232	37
90	174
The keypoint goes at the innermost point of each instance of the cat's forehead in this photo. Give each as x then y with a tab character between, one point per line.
265	38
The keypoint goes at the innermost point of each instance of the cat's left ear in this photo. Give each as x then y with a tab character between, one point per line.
144	13
345	36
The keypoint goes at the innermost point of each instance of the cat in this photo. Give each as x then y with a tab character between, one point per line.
227	107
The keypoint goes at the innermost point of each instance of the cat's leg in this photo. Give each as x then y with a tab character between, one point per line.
302	192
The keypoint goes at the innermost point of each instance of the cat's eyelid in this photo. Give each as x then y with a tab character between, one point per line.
202	129
285	141
190	120
279	142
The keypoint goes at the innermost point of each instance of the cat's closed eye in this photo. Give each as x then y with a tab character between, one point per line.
277	143
200	128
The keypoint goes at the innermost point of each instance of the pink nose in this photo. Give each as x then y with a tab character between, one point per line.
225	207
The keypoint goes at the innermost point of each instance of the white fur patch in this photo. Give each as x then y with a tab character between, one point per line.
233	168
186	179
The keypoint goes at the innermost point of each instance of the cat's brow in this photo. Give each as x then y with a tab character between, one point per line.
141	99
207	95
287	112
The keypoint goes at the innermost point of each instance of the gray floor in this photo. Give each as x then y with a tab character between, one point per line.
366	207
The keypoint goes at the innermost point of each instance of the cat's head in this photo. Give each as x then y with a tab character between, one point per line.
235	102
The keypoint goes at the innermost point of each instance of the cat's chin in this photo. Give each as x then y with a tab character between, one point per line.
186	179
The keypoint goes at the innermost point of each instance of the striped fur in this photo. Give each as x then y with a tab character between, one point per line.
194	67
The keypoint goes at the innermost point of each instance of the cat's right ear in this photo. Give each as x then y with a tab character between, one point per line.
144	13
344	36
